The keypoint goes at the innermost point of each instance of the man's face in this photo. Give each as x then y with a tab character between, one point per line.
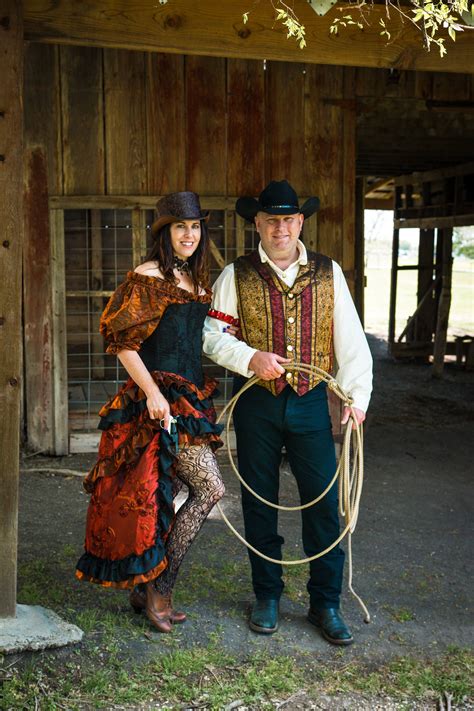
279	233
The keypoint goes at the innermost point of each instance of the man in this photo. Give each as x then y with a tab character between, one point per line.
292	305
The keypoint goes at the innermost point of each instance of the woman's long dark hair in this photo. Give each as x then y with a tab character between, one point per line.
161	252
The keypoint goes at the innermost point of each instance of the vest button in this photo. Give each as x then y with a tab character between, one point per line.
289	376
289	347
291	319
291	295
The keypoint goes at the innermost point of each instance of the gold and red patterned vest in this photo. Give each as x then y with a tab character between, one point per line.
294	322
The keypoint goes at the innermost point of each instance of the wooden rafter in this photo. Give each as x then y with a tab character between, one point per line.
216	29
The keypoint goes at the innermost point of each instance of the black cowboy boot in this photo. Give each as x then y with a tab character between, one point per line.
331	624
264	617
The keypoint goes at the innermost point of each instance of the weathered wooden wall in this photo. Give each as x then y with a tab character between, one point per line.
122	122
110	122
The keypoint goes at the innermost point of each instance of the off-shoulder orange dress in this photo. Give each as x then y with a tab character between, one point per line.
131	509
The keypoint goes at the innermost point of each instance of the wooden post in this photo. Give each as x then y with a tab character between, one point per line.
426	317
393	287
240	235
97	304
359	248
58	299
444	304
11	229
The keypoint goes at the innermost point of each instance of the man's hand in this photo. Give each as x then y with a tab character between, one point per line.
346	413
267	365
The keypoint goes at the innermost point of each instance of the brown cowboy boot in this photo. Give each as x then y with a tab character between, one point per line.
158	609
138	602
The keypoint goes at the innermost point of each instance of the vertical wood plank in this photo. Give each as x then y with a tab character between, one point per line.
97	342
246	130
348	197
449	87
284	124
166	111
138	236
11	221
393	287
441	335
323	153
58	295
240	235
369	82
359	248
425	320
310	233
206	125
82	120
125	122
37	307
42	109
423	85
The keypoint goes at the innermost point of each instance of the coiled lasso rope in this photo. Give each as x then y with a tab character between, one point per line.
350	478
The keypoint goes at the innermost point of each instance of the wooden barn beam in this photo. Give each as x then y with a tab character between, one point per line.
11	229
215	28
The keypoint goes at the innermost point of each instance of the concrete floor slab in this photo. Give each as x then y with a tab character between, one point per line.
34	628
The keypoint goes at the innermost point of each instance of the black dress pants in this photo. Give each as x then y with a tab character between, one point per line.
263	425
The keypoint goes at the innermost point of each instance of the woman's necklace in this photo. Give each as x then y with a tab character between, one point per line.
181	265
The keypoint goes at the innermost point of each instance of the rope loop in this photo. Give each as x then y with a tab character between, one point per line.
350	477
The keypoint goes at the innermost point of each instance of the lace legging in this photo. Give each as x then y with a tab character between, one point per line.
197	467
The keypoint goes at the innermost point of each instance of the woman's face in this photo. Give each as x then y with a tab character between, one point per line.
185	237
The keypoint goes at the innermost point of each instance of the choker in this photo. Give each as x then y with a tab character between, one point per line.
181	265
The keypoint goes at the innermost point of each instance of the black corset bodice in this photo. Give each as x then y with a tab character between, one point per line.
175	345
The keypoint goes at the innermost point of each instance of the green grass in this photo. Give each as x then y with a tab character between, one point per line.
377	295
38	586
206	677
211	677
400	614
122	662
217	581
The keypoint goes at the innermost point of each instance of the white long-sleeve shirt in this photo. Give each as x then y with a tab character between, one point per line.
351	351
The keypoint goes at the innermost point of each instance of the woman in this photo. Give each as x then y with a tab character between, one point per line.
159	430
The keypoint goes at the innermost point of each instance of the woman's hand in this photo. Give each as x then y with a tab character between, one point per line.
158	406
233	331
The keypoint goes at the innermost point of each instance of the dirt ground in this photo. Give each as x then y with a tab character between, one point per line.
412	548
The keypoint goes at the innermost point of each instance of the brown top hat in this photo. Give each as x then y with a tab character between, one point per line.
176	207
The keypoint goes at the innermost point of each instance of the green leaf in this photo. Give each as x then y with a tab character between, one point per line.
452	33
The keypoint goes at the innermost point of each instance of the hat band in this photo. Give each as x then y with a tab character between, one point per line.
286	206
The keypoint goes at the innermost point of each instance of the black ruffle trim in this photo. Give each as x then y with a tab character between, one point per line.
135	407
116	571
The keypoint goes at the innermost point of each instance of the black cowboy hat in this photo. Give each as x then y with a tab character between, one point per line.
176	207
278	198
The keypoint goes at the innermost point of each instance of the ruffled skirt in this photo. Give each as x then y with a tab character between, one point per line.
131	510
